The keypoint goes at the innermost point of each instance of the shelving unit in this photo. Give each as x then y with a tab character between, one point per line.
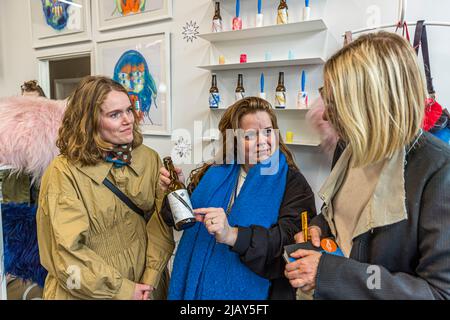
271	49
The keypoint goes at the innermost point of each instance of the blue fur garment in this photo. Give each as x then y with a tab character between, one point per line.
20	242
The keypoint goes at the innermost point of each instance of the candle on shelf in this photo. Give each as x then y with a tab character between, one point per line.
306	11
259	15
302	99
262	94
237	21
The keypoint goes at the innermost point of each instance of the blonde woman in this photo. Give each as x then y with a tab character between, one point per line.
387	199
92	242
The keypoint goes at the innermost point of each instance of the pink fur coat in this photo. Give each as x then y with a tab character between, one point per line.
28	132
328	135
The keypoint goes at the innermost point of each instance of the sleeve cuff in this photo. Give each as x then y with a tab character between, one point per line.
126	291
151	277
243	240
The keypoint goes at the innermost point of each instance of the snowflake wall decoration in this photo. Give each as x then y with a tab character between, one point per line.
182	148
190	31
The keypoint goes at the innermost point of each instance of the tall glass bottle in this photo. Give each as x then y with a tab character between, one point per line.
217	25
280	93
214	96
283	15
240	91
178	197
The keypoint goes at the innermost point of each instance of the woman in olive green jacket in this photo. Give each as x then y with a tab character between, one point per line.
92	244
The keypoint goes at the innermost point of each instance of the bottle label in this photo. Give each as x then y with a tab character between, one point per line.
214	100
217	25
282	17
280	99
180	204
239	96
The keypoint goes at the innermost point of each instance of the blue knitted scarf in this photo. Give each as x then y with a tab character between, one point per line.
205	269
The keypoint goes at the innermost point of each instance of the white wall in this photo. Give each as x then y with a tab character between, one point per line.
190	84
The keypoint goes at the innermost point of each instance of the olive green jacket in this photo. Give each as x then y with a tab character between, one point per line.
91	243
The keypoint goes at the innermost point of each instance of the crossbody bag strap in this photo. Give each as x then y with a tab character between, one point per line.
124	198
421	40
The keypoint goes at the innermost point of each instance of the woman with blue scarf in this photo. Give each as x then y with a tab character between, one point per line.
248	202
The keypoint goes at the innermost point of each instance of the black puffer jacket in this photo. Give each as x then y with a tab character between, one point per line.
411	257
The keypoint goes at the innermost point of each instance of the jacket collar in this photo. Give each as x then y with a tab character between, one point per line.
387	204
100	171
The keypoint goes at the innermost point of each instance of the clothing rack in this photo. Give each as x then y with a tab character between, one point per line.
429	23
402	5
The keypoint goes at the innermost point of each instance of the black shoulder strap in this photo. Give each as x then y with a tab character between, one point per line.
421	40
124	198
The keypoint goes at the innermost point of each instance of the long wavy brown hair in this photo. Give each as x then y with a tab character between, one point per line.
231	120
79	137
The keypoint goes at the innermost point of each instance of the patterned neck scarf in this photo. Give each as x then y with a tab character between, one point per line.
120	155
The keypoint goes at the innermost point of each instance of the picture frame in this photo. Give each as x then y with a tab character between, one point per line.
115	14
55	23
142	65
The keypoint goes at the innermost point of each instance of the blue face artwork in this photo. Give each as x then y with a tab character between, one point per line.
132	72
56	13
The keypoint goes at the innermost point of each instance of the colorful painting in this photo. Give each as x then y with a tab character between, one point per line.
126	7
56	13
56	22
142	66
132	72
112	14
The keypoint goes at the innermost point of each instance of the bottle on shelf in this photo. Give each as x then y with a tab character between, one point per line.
237	21
280	93
178	197
302	98
240	91
282	15
262	93
217	25
259	15
306	11
214	96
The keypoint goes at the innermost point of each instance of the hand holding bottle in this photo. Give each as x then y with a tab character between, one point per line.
216	222
164	177
142	291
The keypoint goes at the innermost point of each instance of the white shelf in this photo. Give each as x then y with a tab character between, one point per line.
303	143
274	109
266	31
265	64
209	139
294	143
5	168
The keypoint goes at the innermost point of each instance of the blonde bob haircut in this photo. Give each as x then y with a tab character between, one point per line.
374	95
79	136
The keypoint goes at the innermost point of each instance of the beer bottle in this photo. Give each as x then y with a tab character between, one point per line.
179	201
214	96
240	91
280	93
282	16
217	25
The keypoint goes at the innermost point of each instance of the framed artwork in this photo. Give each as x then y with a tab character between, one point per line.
113	14
142	66
55	22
